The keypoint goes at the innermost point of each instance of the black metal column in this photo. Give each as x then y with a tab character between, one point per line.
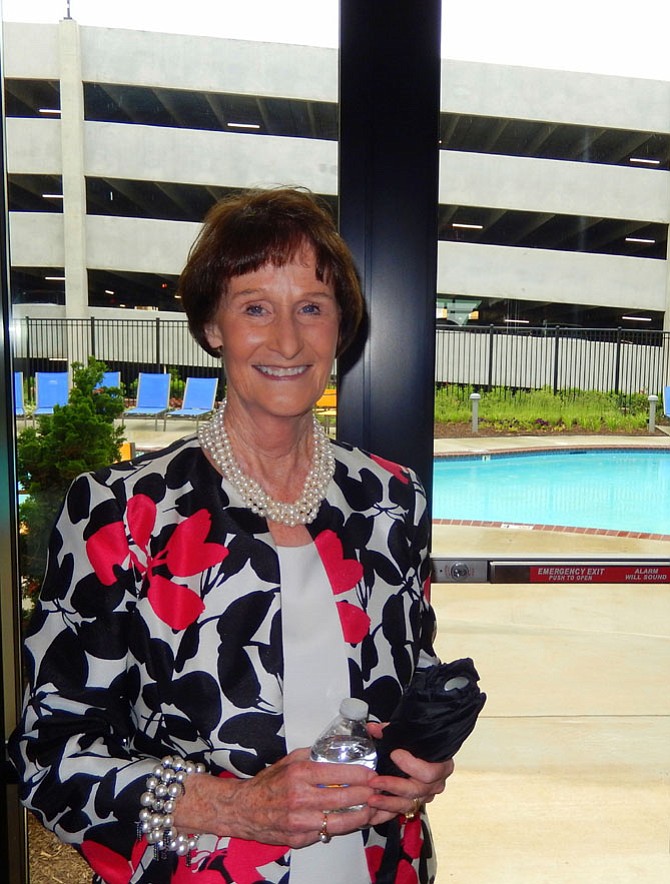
13	845
389	129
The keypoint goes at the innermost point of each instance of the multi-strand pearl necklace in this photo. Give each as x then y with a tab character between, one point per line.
214	438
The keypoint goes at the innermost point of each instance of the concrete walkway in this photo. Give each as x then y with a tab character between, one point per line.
567	775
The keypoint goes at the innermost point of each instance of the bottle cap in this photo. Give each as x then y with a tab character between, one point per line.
355	709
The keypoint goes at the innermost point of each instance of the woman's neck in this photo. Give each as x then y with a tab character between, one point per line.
275	451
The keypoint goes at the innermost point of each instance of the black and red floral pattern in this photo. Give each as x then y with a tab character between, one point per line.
158	631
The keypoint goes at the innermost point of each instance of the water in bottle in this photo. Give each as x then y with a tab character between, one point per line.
346	740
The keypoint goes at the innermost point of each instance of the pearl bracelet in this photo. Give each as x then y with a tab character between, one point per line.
163	787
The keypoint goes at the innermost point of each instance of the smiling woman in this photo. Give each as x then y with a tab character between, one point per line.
293	566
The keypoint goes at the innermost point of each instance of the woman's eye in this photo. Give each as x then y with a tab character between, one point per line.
254	309
311	308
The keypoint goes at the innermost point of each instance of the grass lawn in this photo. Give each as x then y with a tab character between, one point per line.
523	412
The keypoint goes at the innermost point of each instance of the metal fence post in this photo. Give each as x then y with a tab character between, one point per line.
557	346
491	343
617	361
29	360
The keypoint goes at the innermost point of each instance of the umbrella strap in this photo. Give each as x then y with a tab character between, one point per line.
392	853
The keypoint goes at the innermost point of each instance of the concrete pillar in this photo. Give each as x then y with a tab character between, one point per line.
651	425
74	182
474	399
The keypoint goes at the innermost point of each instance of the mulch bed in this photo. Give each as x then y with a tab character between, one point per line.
464	431
51	861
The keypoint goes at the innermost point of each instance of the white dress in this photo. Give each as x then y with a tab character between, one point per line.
316	680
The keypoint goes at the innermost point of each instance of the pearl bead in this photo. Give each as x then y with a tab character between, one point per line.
156	820
214	439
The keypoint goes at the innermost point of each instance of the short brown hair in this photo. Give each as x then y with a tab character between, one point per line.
244	232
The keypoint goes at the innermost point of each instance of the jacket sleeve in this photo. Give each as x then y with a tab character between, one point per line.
71	745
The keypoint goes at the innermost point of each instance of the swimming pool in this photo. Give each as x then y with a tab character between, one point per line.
606	489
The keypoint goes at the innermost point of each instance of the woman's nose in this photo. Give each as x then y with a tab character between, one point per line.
287	337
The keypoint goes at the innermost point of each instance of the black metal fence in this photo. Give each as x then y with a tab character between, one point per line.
126	345
616	360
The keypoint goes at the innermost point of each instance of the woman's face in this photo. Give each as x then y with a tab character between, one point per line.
278	330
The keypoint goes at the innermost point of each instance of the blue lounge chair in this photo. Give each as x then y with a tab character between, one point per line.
666	401
110	379
51	389
19	406
153	397
199	397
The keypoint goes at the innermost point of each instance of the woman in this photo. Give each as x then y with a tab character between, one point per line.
206	608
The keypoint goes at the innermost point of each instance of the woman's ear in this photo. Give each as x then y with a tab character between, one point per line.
213	337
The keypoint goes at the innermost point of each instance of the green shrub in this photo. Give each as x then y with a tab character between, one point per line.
177	385
78	437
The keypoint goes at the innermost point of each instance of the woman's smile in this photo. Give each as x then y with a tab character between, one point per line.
274	371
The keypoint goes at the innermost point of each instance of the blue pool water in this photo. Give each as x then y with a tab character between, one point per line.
624	490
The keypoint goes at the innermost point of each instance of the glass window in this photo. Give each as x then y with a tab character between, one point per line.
120	136
553	229
558	147
129	127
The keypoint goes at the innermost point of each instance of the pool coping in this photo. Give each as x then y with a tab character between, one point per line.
558	529
506	448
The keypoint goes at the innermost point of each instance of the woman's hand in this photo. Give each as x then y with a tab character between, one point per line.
400	795
283	804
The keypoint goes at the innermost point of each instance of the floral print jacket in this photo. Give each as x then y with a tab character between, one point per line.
158	631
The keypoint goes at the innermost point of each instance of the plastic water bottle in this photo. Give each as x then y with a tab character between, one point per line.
346	740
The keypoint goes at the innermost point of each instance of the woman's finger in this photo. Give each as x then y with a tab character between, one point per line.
418	769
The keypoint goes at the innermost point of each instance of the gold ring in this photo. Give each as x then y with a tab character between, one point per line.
324	837
415	809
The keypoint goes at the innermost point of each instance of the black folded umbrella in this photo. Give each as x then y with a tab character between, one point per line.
435	715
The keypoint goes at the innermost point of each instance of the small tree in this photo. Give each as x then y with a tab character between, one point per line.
78	437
